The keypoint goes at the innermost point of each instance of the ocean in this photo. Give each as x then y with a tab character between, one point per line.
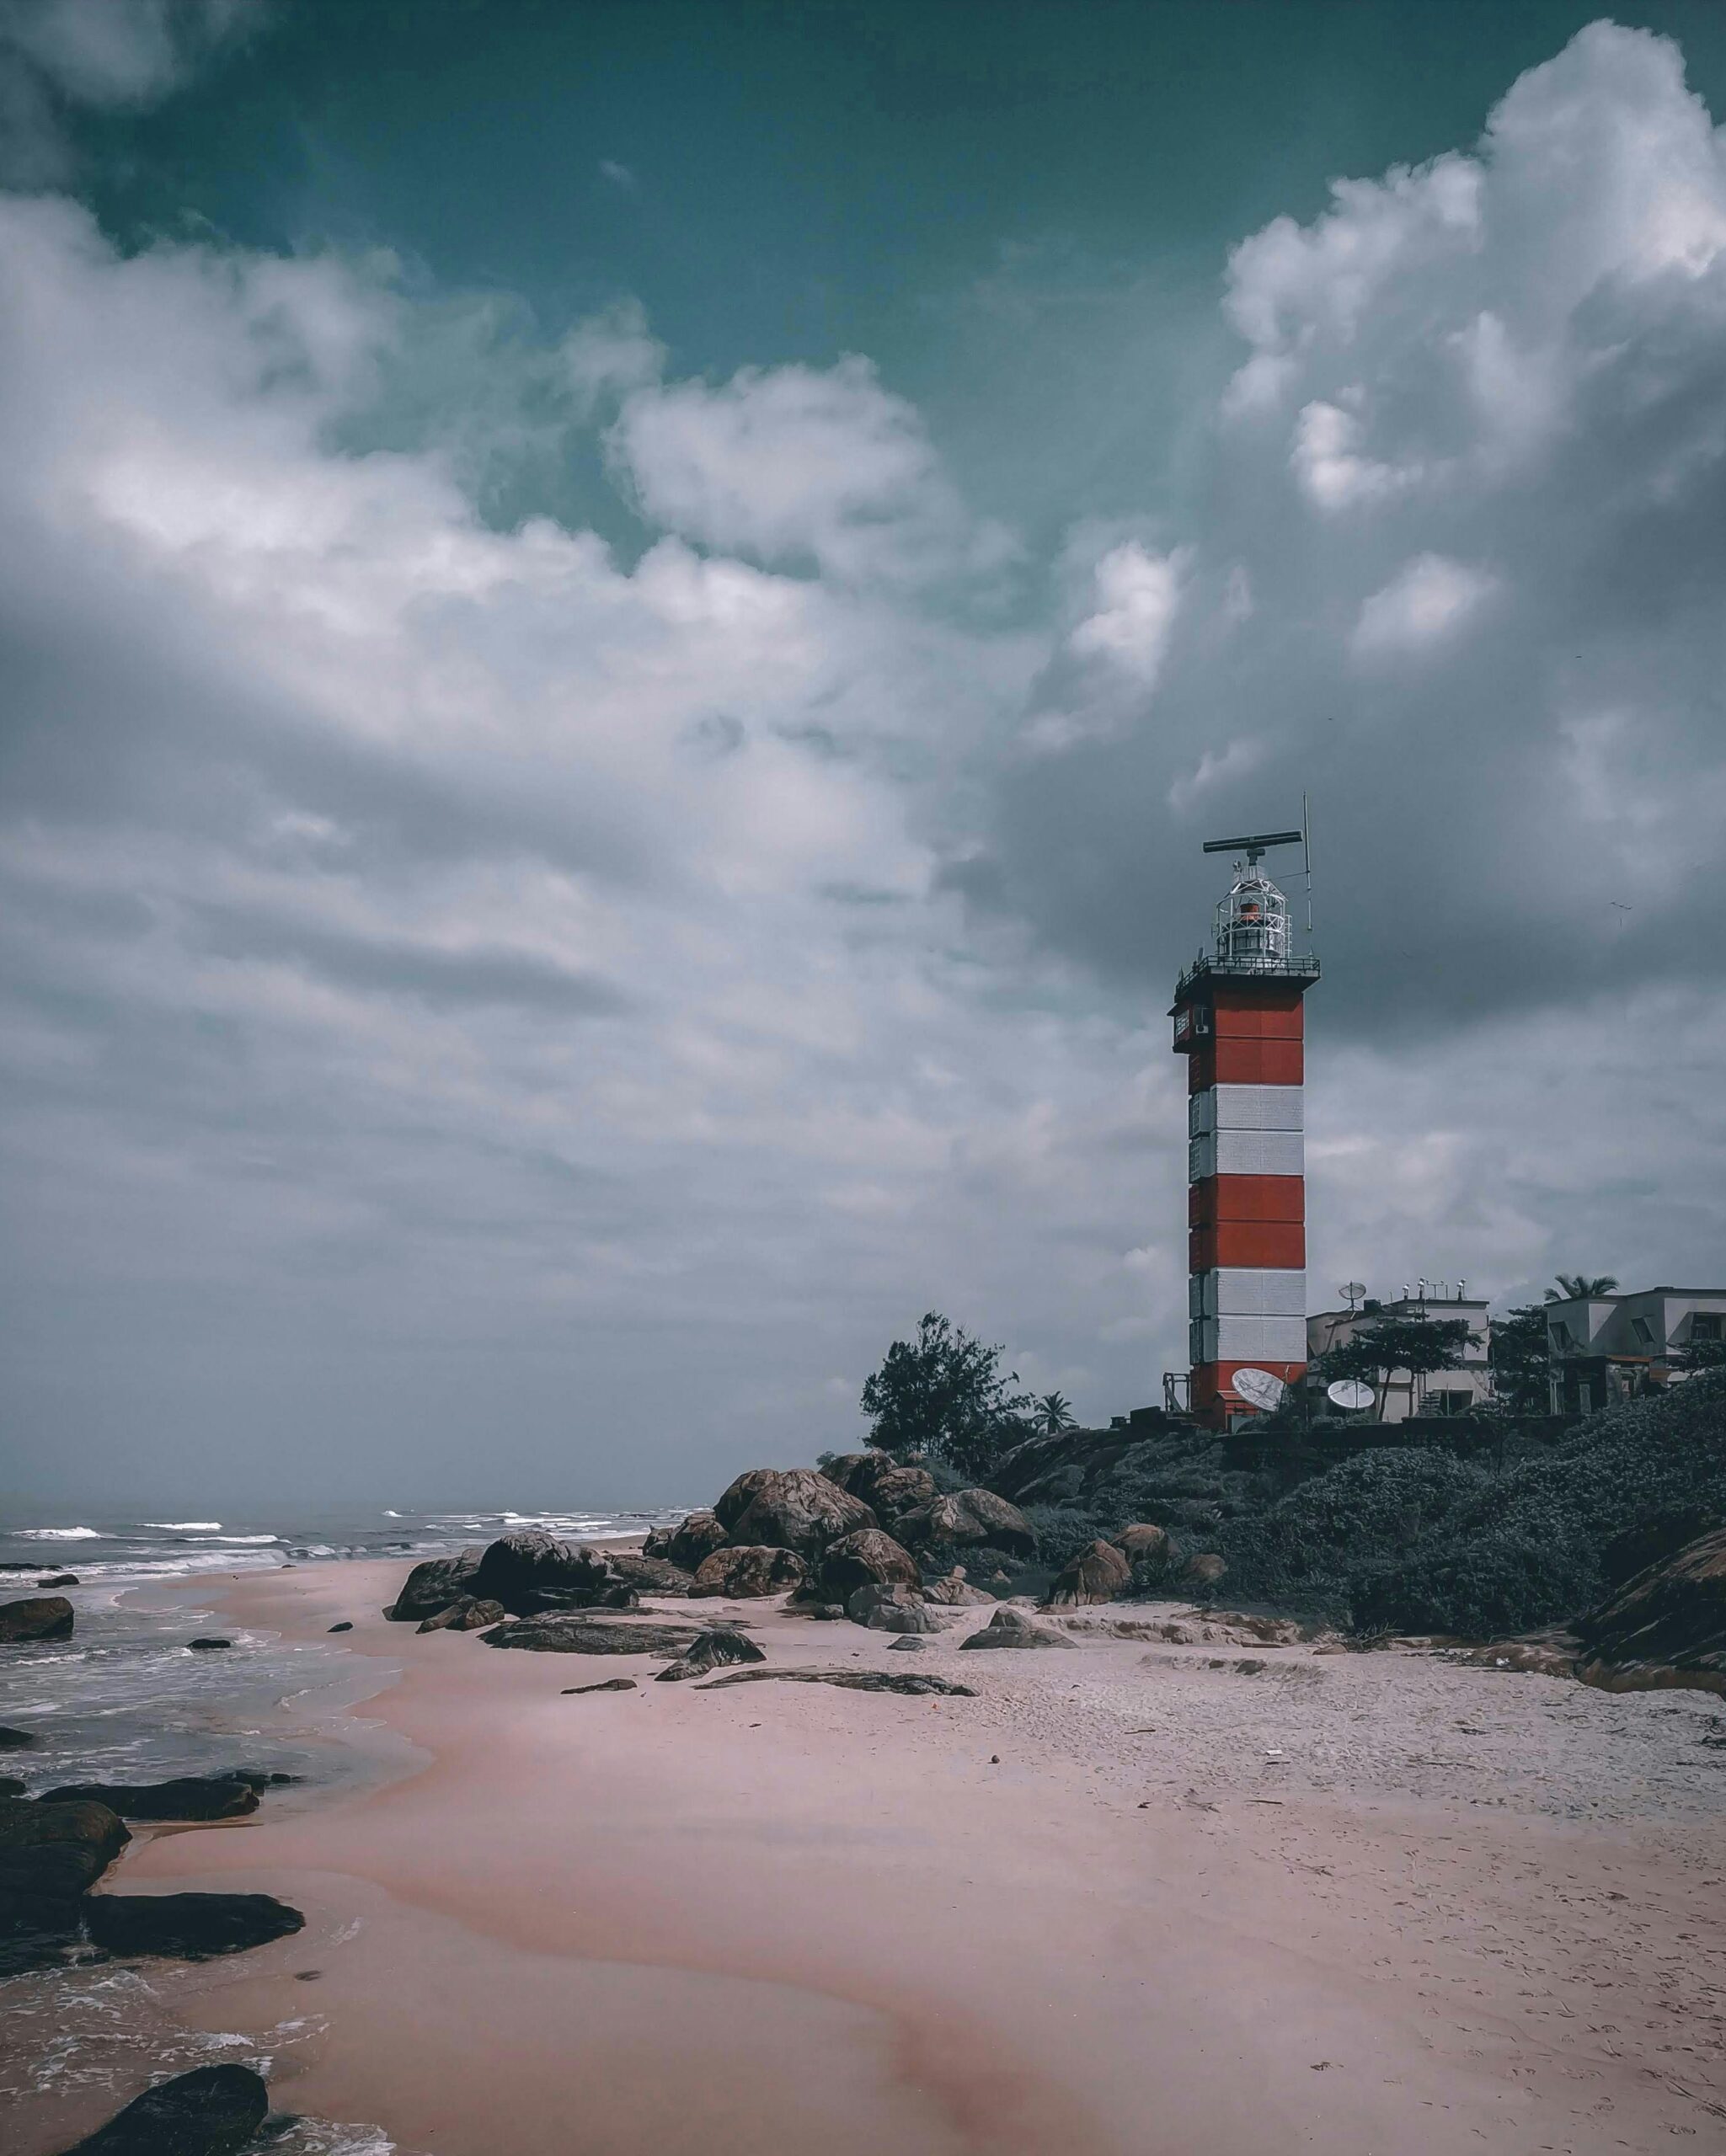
125	1700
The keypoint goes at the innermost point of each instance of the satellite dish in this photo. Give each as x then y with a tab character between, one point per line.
1260	1388
1351	1291
1347	1392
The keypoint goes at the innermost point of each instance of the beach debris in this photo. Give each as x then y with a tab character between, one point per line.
306	1976
1097	1574
59	1579
857	1562
435	1584
207	1645
470	1614
605	1684
1012	1628
49	1855
35	1617
188	1926
913	1682
748	1571
17	1740
345	1625
187	1796
969	1518
687	1543
213	2111
594	1633
711	1651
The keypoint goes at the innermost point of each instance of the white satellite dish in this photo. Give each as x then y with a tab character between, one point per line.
1352	1291
1349	1392
1260	1388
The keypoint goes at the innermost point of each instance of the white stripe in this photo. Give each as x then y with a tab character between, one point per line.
1249	1340
1246	1153
1244	1108
1246	1291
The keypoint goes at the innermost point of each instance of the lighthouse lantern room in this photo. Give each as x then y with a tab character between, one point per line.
1238	1020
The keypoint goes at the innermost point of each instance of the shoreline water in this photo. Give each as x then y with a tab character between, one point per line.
1091	1908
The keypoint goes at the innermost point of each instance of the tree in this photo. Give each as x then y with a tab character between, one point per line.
944	1393
1700	1355
1522	1360
1053	1413
1376	1351
1574	1285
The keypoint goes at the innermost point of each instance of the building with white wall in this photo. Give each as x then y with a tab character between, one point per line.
1442	1392
1609	1347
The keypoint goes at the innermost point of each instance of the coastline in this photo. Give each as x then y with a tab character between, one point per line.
1087	1909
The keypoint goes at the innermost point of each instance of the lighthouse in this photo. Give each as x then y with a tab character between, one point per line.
1238	1020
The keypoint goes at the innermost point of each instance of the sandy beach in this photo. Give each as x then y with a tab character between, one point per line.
1135	1897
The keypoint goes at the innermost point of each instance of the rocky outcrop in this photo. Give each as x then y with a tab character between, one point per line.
651	1575
51	1854
188	1926
888	1489
469	1615
434	1585
530	1571
969	1520
868	1558
1666	1627
1012	1628
797	1508
687	1543
740	1494
36	1617
213	2111
575	1634
915	1682
1098	1573
712	1650
750	1571
188	1796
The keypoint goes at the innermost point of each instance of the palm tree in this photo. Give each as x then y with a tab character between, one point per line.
1053	1413
1576	1285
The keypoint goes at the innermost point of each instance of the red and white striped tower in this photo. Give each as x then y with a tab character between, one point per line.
1236	1018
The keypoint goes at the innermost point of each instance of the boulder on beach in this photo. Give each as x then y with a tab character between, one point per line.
1665	1627
881	1483
574	1633
345	1625
605	1684
51	1854
530	1569
750	1571
873	1603
469	1615
712	1650
687	1543
915	1682
1097	1574
969	1517
651	1575
738	1494
188	1926
954	1592
213	2111
1143	1544
187	1797
793	1508
1205	1570
868	1558
35	1617
434	1585
1012	1628
908	1646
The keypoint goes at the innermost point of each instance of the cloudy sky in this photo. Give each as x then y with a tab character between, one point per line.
619	625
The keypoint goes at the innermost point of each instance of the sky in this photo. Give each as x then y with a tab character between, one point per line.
619	628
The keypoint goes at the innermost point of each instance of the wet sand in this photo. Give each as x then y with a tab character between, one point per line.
1121	1901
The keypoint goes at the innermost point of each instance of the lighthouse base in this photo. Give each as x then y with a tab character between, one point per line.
1212	1398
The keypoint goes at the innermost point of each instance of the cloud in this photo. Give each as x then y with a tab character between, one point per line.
1426	600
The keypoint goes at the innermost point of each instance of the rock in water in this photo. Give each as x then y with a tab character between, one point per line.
605	1684
59	1579
975	1518
16	1740
750	1571
469	1615
1665	1627
1097	1574
206	1645
188	1926
917	1682
435	1585
50	1855
190	1797
867	1558
797	1508
577	1634
711	1651
1012	1628
213	2111
36	1617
